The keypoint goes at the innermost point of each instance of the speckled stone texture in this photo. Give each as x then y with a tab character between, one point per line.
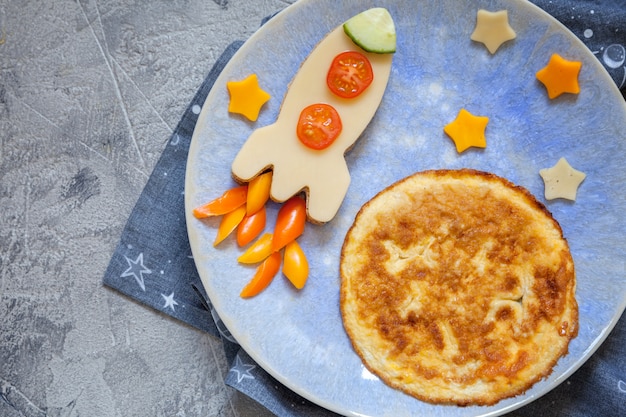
90	91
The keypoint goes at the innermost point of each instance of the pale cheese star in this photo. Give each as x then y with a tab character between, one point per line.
136	269
492	29
560	76
467	130
247	97
169	301
561	181
242	370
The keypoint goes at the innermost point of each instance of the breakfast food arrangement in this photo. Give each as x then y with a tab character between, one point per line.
456	285
288	161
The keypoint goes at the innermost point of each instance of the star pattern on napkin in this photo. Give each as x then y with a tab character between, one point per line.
136	269
242	369
560	76
492	29
467	130
169	301
561	180
247	97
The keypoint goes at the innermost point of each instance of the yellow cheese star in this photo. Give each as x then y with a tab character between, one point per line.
467	130
560	76
561	181
492	29
246	97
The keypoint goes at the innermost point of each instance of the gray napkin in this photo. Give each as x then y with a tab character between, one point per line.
153	265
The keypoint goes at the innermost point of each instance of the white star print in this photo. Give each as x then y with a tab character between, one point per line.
169	301
136	269
242	370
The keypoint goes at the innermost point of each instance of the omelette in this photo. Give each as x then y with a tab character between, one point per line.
458	287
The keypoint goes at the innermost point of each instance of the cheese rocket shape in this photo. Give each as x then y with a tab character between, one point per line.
322	174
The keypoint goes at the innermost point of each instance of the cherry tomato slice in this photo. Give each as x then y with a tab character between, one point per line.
350	74
318	126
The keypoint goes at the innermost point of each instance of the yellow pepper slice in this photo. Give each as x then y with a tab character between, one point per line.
295	264
229	223
258	192
258	251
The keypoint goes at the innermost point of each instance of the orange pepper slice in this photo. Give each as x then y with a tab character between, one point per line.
258	251
258	192
264	274
227	202
251	226
289	222
229	223
295	264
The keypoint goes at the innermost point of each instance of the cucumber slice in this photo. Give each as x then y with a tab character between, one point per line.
373	30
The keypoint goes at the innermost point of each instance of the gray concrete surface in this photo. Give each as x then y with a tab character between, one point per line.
90	91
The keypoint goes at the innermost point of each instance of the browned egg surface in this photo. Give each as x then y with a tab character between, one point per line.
458	287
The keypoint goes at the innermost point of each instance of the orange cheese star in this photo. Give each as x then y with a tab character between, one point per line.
560	76
247	97
492	29
561	180
467	130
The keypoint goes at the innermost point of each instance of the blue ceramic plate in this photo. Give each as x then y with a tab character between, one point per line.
298	337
